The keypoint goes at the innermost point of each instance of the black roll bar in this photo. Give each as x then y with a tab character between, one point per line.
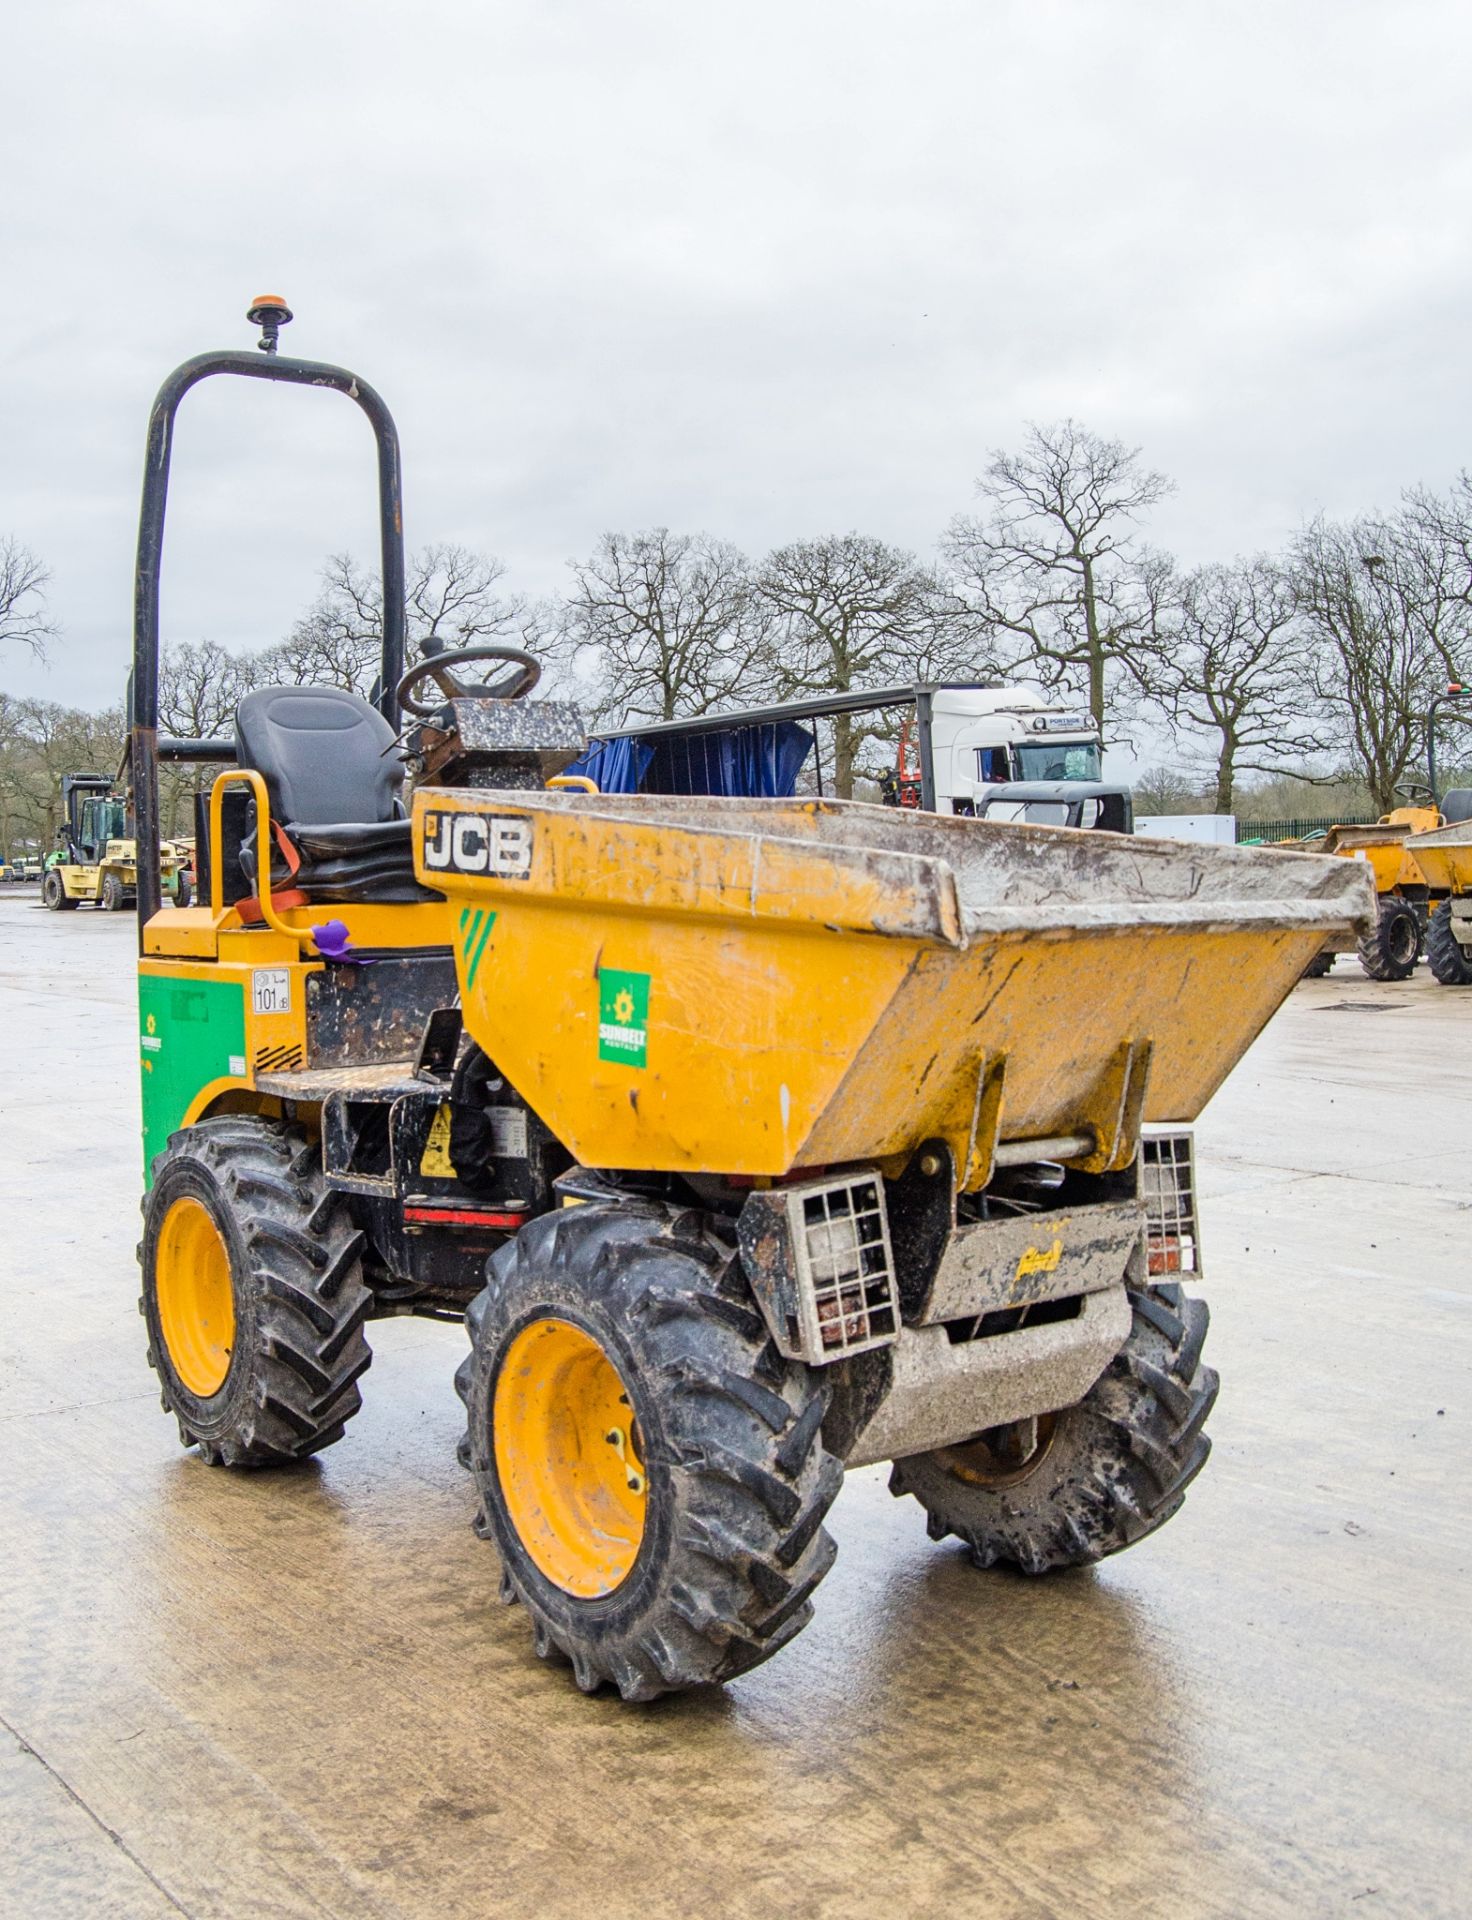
143	738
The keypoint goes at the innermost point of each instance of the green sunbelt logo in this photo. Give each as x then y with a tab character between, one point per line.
623	1017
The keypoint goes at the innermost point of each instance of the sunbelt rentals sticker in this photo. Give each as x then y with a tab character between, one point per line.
623	1017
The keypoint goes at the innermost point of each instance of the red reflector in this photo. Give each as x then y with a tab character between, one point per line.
461	1217
1165	1254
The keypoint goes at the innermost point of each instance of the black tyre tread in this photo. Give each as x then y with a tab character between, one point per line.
1318	966
1446	959
1373	949
309	1302
1119	1464
750	1480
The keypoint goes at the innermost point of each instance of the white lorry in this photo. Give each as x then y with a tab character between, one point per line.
965	739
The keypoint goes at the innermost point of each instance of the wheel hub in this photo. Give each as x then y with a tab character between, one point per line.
196	1301
1002	1456
569	1458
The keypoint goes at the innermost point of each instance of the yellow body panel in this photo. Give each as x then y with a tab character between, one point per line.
1384	848
1444	856
199	932
759	987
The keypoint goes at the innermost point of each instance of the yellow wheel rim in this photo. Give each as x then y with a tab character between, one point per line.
196	1305
567	1458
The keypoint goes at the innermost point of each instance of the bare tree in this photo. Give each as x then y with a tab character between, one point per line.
1160	790
850	612
200	684
1229	660
1052	569
39	742
1381	599
23	614
660	625
1445	523
452	594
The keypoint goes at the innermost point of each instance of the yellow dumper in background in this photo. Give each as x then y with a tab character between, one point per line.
1391	946
1444	857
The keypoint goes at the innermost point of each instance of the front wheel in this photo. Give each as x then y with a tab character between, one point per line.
1321	964
54	894
253	1293
1070	1487
1449	961
1390	950
650	1468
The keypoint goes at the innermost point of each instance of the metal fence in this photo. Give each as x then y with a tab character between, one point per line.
1268	831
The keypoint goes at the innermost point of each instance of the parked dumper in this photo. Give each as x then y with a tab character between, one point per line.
1390	947
752	1139
1444	856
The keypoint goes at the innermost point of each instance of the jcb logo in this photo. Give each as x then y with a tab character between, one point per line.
497	844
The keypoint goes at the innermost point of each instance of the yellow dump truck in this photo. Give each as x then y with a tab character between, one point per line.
1390	947
753	1139
1444	856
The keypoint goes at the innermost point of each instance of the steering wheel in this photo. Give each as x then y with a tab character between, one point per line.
442	669
1416	792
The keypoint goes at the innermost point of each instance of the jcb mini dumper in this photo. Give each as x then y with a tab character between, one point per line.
753	1139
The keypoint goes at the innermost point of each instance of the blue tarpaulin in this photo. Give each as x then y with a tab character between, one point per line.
750	763
614	766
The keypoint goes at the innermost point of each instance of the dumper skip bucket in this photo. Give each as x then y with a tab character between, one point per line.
754	987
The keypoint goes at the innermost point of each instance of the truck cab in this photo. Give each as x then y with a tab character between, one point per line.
983	737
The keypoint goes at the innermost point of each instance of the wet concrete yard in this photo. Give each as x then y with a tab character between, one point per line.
295	1695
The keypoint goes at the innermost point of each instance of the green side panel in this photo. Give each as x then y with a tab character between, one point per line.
190	1032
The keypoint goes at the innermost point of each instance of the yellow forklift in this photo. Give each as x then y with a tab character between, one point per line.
751	1138
96	858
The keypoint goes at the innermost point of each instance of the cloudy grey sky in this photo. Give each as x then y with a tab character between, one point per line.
768	270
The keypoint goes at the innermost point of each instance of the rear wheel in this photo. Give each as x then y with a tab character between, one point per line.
253	1293
183	893
1071	1487
54	894
1318	966
650	1468
1450	962
112	893
1392	947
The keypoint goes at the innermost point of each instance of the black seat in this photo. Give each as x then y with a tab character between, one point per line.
1456	805
333	776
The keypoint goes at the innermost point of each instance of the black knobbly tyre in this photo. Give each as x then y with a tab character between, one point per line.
54	894
1449	962
1094	1478
1318	966
113	896
649	1466
253	1293
1390	950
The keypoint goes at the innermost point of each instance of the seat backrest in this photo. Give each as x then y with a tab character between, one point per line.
1456	805
322	753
